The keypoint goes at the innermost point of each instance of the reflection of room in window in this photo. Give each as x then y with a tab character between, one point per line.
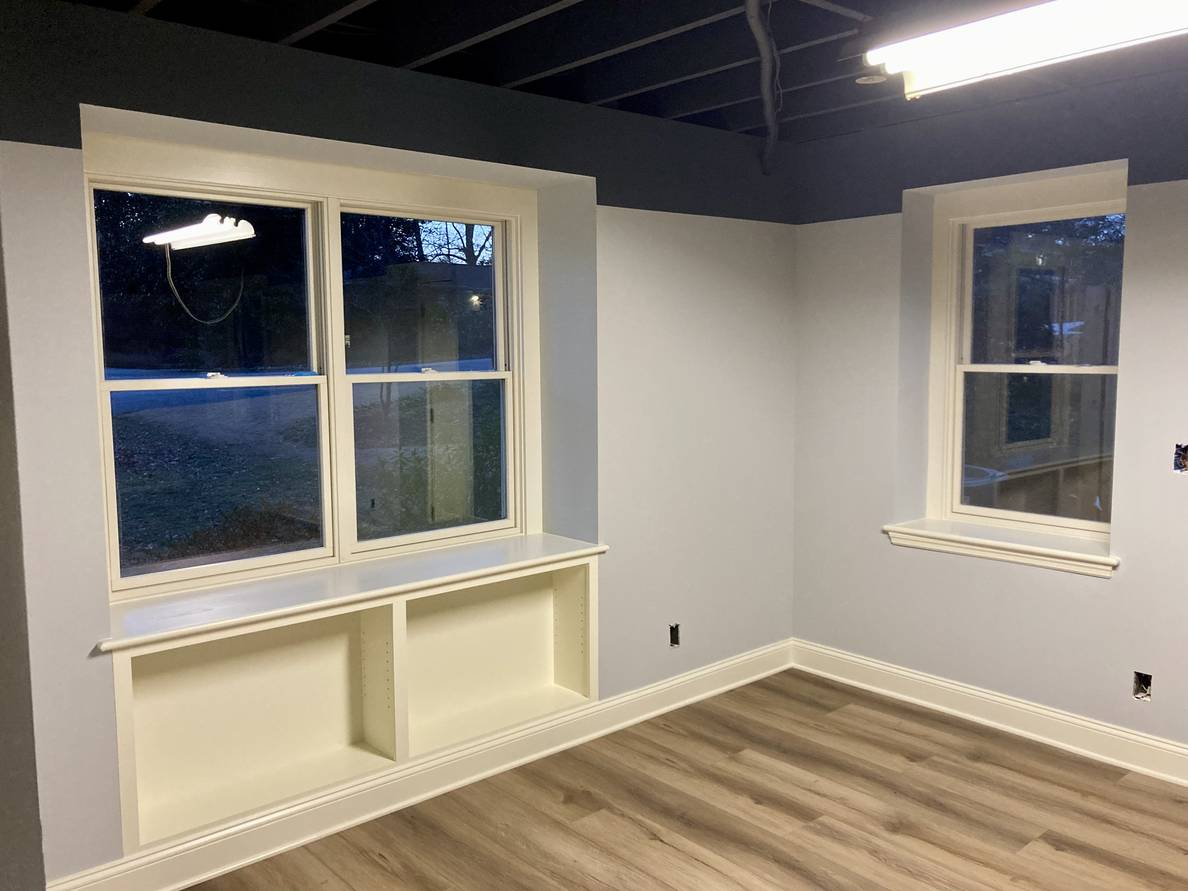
1037	296
1029	407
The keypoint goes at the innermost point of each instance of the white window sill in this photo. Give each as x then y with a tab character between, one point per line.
137	623
1062	552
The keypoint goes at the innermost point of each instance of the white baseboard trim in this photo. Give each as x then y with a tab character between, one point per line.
1139	752
180	864
174	866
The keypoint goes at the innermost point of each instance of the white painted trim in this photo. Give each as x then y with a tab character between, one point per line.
180	864
174	866
1138	752
945	218
1081	562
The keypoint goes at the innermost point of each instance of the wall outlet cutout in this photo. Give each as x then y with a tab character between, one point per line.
1180	458
674	635
1142	687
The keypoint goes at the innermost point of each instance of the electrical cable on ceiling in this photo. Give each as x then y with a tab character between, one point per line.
189	312
769	75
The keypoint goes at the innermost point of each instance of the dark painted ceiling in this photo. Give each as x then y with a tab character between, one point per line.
688	60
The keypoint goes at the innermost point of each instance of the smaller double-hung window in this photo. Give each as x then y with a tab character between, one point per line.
1036	375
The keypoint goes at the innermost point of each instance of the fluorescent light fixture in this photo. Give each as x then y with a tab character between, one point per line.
1027	38
212	230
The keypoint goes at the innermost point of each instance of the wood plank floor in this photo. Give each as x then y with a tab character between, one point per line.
789	783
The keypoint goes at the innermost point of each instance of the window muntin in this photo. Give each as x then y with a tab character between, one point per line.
1036	378
158	399
428	378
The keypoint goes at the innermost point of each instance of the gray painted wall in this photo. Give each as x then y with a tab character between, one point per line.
51	334
20	828
695	438
569	358
1057	639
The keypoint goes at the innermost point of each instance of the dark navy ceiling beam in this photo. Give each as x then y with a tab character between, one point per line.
655	22
808	67
298	19
839	9
585	33
690	56
443	33
58	56
820	99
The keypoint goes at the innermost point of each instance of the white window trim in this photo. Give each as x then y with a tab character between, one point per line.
155	167
1031	539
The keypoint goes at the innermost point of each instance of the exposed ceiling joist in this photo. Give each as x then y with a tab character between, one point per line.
593	37
690	56
738	84
698	74
446	37
748	116
838	9
301	18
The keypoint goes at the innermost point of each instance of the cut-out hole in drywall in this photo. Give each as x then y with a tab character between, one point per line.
1142	686
1180	458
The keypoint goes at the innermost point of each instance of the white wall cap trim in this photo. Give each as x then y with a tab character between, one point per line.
1049	551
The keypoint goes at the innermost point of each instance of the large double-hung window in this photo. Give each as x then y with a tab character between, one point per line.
290	382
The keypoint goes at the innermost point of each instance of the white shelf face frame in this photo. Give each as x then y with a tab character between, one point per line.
564	621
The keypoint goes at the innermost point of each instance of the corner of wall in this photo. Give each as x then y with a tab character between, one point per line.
21	863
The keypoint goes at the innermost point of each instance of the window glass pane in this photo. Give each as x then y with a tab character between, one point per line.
259	283
1039	443
1048	292
418	294
428	456
208	475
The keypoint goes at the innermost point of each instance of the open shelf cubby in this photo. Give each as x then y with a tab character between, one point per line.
484	659
230	725
261	700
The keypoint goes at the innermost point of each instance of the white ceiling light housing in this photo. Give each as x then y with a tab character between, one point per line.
1027	38
212	230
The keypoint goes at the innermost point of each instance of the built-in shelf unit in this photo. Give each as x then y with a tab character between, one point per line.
235	702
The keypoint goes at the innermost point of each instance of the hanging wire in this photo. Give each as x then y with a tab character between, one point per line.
769	78
182	303
777	60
